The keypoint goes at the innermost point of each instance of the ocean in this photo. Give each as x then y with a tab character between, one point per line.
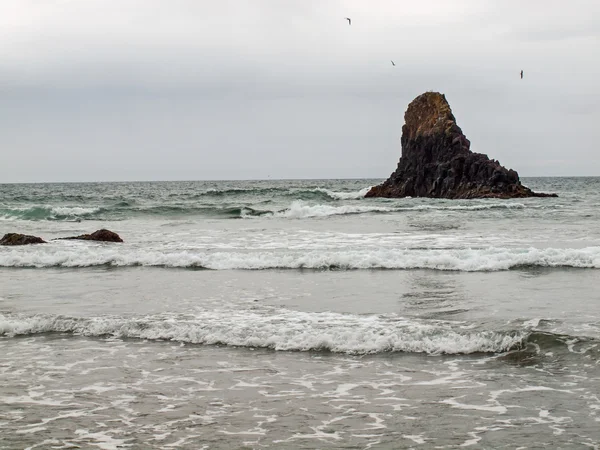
297	314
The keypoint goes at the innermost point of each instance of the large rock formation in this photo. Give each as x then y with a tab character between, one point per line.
100	235
437	161
20	239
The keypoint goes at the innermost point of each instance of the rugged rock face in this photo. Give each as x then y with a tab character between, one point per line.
437	161
20	239
100	235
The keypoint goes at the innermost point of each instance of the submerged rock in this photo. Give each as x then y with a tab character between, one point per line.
437	161
20	239
100	235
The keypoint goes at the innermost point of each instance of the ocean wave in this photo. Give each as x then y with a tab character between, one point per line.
352	195
477	207
125	210
297	209
61	254
228	192
226	212
67	213
302	210
280	330
318	193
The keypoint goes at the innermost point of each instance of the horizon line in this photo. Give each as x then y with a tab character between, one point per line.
250	179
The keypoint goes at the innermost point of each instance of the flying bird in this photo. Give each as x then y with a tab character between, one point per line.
393	64
521	74
349	20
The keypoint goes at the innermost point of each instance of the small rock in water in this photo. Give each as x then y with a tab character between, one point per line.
20	239
100	235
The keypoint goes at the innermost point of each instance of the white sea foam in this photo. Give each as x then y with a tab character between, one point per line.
354	195
475	207
101	439
279	330
300	209
61	254
46	212
73	210
417	438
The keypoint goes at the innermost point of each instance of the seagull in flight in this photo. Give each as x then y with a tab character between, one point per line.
349	20
521	74
393	63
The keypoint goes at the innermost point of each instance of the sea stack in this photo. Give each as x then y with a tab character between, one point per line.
437	161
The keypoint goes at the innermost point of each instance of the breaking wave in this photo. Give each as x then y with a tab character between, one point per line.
280	330
67	213
124	211
297	193
356	195
301	210
59	254
291	203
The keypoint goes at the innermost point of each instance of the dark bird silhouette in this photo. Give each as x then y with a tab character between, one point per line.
393	64
349	20
521	74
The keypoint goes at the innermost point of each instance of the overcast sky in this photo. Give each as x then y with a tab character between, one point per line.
102	90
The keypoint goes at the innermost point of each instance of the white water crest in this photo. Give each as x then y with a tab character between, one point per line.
300	210
355	195
60	254
73	210
279	330
46	212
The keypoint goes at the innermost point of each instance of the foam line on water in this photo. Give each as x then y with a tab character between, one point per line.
61	254
297	209
280	330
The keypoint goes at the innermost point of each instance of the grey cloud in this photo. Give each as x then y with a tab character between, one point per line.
189	90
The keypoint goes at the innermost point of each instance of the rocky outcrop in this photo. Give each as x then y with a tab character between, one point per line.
23	239
437	161
20	239
100	235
